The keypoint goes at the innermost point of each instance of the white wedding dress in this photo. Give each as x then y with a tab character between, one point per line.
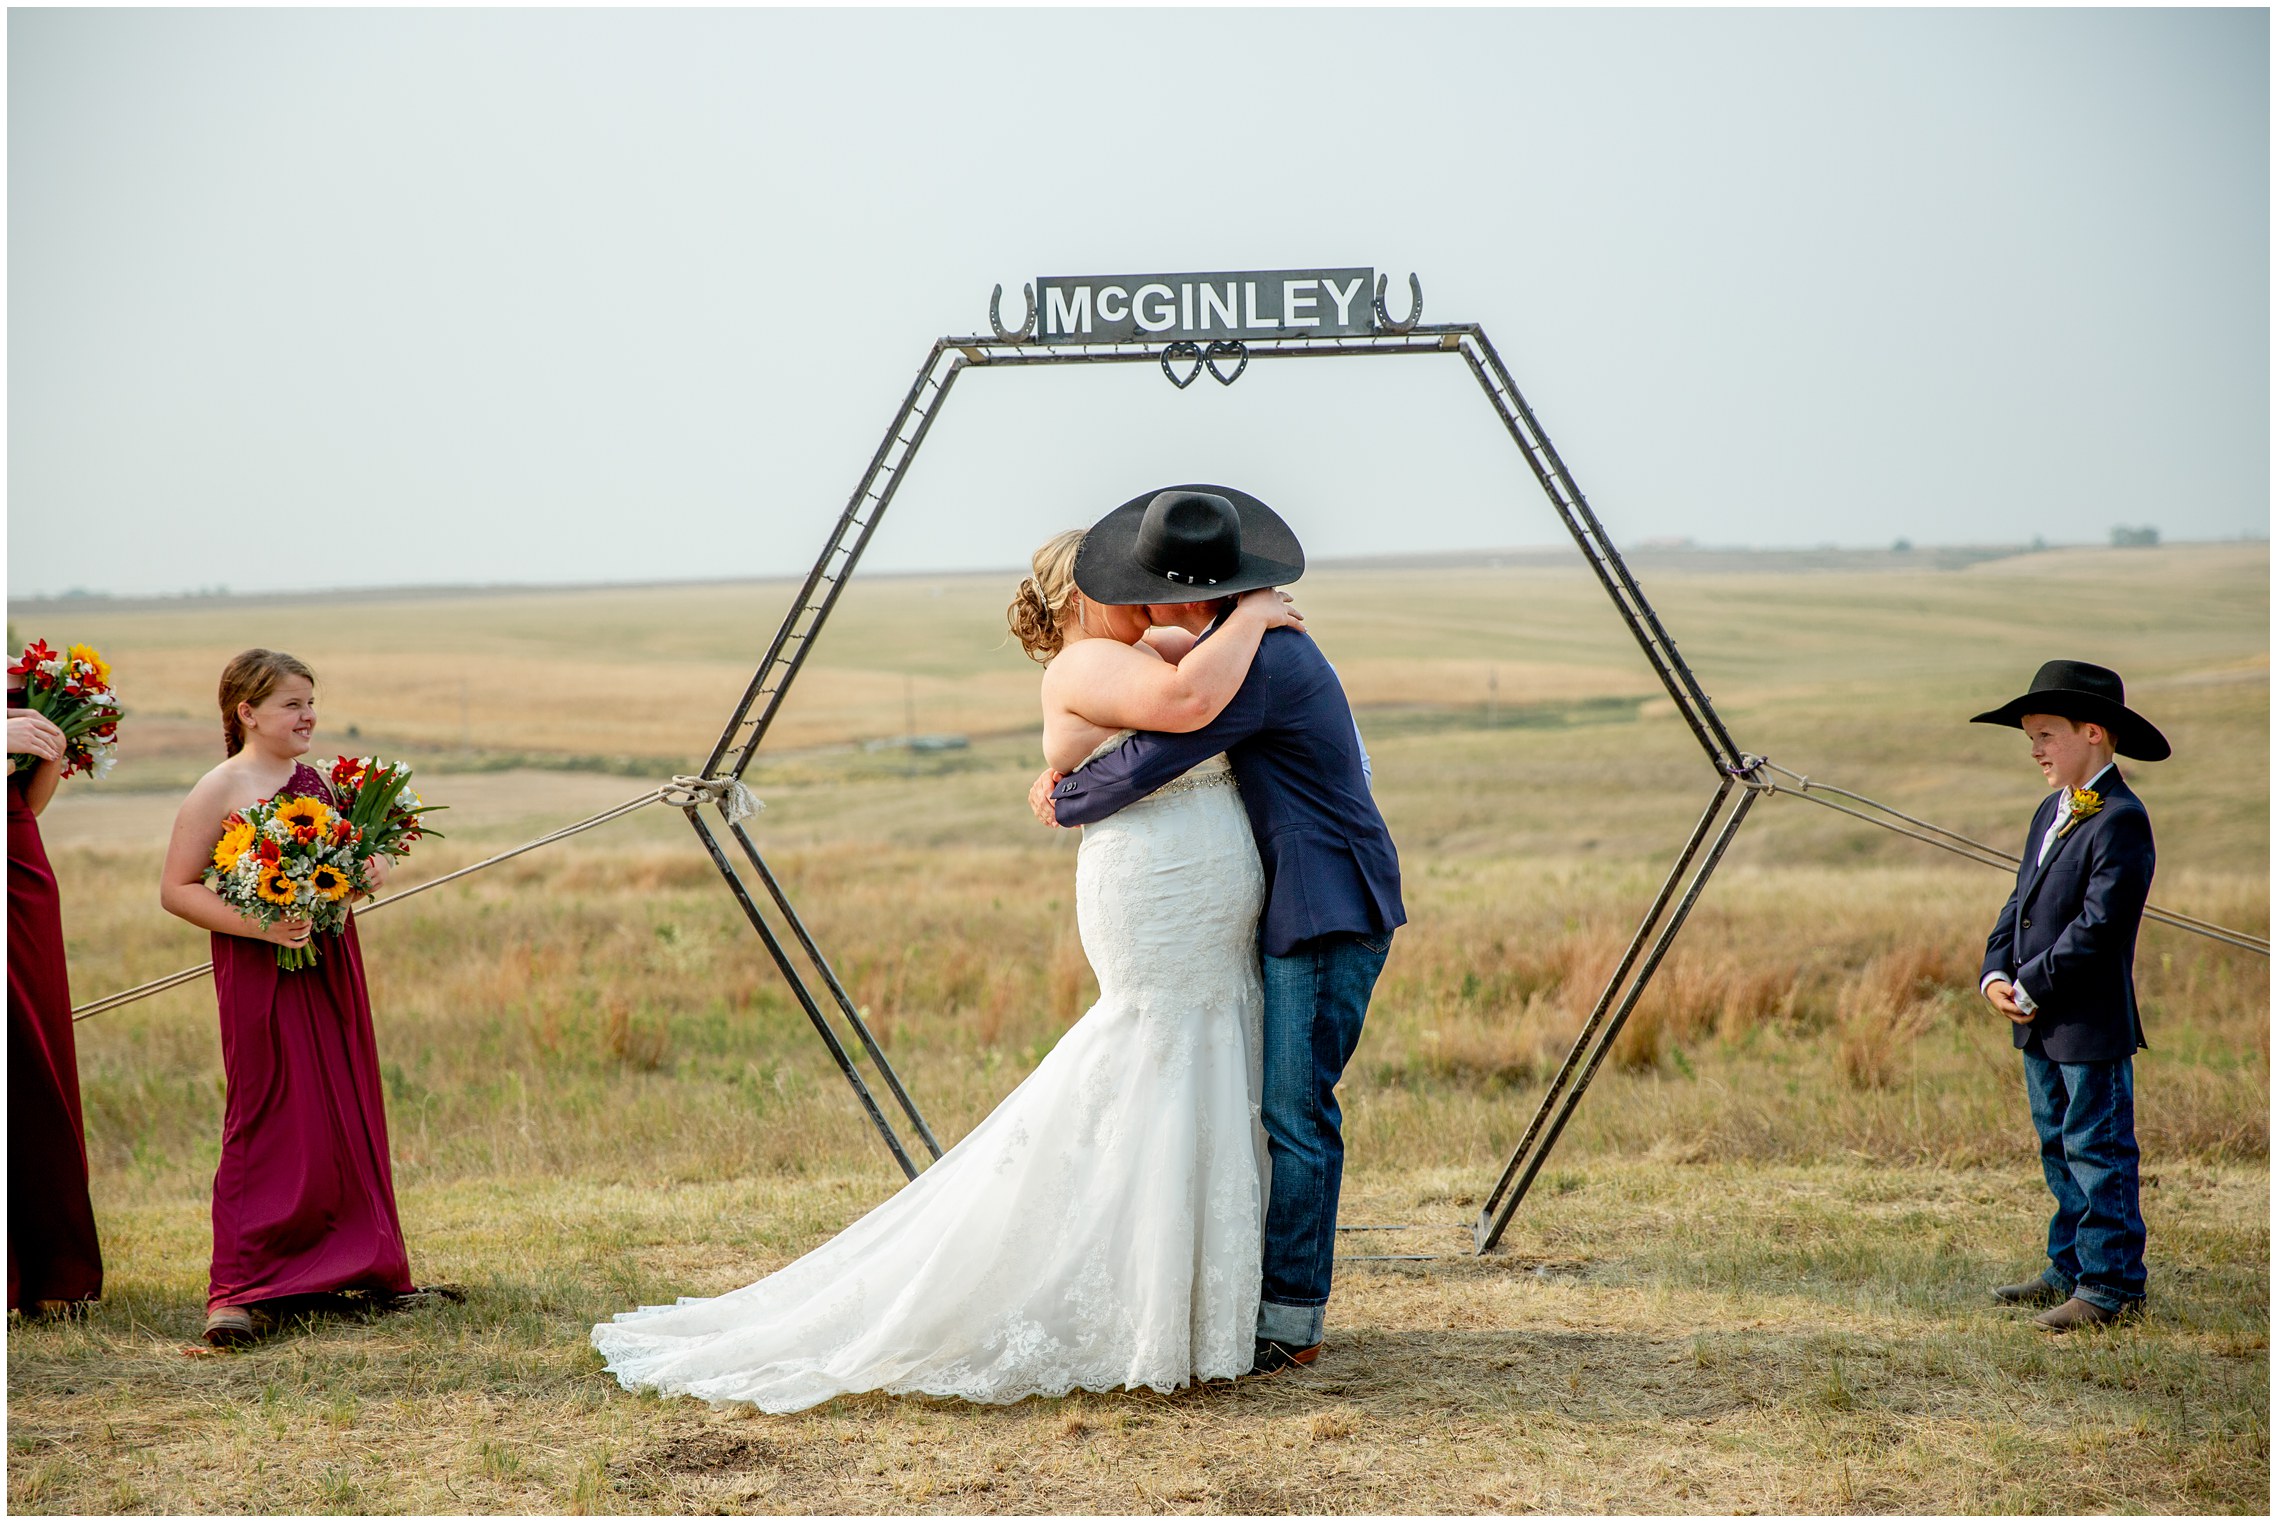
1100	1228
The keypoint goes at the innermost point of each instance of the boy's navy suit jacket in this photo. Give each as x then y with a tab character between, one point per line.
1329	862
2068	931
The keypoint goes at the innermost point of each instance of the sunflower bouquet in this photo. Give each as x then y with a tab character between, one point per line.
290	855
73	691
376	797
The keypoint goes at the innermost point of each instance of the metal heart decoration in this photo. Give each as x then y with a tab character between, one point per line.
1182	350
1221	350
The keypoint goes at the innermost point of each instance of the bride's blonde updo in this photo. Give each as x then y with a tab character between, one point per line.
1043	598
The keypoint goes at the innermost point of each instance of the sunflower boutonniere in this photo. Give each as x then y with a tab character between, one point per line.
2085	803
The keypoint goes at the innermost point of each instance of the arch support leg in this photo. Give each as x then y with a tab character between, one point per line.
813	1006
1694	865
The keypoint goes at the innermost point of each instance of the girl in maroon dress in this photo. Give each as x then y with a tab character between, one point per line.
54	1263
304	1198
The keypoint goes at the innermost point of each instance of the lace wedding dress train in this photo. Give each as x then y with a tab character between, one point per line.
1101	1227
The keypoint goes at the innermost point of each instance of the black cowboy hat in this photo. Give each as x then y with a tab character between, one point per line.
2089	695
1186	544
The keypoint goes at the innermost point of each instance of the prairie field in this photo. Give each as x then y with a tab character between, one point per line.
1753	1278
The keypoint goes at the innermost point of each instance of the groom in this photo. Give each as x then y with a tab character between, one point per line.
1331	875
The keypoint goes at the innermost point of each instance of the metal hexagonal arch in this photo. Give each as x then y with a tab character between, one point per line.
1738	778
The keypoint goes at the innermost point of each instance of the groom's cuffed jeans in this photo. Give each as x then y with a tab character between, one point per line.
2085	1115
1315	1001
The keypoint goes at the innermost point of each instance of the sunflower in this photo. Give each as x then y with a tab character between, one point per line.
329	882
93	658
304	817
275	887
235	842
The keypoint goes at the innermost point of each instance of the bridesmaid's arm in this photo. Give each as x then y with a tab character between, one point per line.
35	735
181	884
40	786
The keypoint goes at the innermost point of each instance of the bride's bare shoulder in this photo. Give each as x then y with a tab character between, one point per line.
1100	655
1091	661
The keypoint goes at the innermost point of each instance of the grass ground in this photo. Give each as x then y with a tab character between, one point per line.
1752	1278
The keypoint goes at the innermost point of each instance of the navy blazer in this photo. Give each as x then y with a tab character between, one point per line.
2067	933
1329	862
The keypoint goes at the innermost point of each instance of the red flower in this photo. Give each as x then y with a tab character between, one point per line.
269	851
33	655
341	831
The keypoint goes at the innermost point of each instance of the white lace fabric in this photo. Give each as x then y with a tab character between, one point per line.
1100	1229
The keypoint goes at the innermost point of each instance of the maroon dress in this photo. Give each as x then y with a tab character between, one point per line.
52	1253
304	1199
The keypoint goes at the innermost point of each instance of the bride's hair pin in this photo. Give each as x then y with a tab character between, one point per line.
1041	603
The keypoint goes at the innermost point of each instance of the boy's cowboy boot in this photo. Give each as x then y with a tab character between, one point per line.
2032	1292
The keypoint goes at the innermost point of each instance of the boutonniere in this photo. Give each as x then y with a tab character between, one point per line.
2085	802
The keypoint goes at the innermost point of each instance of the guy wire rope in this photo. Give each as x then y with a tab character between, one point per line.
694	790
1977	851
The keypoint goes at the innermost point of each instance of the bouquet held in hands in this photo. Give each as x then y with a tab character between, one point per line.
73	692
300	857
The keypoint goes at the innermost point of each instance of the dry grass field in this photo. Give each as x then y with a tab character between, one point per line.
1752	1279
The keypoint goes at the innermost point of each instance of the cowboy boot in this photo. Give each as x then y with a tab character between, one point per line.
2032	1292
2075	1314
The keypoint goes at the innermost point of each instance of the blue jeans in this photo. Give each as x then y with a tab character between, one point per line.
2085	1115
1315	1000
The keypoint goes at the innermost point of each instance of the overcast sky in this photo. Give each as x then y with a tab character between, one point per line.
305	298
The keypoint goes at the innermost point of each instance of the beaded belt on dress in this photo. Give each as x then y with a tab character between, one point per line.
1187	782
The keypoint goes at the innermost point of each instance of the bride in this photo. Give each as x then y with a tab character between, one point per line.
1102	1226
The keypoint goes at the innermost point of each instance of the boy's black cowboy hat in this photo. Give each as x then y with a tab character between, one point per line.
1186	544
2089	695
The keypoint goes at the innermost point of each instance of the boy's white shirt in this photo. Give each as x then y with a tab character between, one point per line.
2024	1000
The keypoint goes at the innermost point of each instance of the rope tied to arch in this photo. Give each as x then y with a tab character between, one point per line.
735	801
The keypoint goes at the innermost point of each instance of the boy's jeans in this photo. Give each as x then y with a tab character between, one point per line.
2085	1114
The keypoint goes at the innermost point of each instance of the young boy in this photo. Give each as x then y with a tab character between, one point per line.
2060	964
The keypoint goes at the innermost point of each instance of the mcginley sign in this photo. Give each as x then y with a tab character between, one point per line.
1244	304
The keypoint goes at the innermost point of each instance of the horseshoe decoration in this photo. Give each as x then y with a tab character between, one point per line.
1184	351
1225	349
1027	328
1414	311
